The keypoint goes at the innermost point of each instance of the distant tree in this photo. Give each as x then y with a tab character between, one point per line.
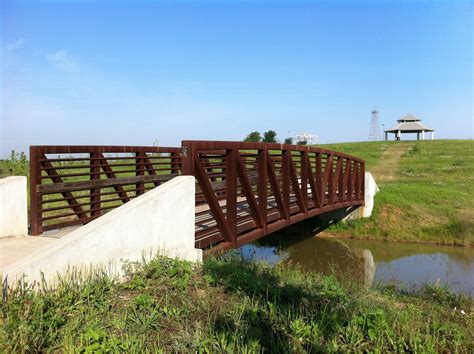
302	142
269	136
17	165
289	141
253	137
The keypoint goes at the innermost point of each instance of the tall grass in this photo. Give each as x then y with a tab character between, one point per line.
231	305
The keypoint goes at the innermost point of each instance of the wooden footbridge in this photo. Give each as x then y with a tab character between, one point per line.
244	191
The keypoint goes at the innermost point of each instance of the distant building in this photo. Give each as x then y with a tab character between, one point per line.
409	124
307	137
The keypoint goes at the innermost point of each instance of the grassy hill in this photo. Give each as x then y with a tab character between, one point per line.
427	191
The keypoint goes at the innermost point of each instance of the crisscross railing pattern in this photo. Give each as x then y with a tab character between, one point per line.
71	185
244	191
247	190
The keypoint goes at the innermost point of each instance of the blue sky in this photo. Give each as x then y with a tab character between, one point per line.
128	73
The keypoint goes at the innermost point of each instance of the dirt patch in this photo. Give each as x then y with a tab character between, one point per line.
388	167
391	215
427	217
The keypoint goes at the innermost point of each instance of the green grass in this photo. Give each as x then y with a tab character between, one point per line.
368	151
431	199
231	305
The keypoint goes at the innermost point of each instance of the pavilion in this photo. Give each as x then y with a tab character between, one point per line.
409	124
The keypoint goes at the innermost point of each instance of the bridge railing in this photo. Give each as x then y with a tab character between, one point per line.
71	185
243	190
247	190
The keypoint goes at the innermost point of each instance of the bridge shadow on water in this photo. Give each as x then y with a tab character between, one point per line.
273	296
273	292
304	229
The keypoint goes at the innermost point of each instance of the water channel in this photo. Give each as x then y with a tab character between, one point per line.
408	265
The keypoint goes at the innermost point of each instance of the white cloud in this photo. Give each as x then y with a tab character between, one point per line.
13	46
62	60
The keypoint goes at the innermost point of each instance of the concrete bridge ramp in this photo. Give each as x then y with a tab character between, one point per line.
160	221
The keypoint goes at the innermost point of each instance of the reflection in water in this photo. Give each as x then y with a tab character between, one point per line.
371	261
369	267
322	255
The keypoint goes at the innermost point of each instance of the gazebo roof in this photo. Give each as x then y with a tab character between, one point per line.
409	118
409	124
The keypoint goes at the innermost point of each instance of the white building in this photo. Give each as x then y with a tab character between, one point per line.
307	137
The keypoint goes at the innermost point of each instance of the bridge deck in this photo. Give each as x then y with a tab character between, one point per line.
207	230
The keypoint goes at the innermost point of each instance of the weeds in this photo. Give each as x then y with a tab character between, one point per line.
230	305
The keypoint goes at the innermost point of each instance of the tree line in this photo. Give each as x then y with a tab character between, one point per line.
268	137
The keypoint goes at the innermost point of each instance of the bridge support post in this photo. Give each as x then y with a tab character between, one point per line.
95	175
304	178
231	193
262	186
35	198
330	179
187	156
285	173
319	180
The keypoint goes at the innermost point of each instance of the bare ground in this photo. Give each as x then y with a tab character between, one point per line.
388	166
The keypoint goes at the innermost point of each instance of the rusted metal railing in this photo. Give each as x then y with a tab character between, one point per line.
244	191
72	185
248	190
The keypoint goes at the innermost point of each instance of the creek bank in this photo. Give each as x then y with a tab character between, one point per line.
233	305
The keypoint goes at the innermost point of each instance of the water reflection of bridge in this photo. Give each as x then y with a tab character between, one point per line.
325	256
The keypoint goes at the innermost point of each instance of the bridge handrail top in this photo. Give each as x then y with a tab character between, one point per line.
71	149
198	144
242	145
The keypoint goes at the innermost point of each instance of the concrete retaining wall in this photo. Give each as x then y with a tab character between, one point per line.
13	206
160	221
371	189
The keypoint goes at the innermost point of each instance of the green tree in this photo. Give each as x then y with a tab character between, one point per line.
302	142
289	141
17	165
269	136
253	137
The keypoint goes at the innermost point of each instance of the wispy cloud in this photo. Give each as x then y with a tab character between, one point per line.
15	45
62	60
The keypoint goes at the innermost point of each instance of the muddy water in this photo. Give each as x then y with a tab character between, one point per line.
402	264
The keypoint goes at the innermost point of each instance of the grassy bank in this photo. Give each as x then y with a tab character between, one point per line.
231	305
427	191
